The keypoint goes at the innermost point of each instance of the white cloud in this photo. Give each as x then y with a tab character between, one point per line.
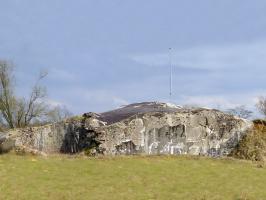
252	54
225	101
119	101
53	103
81	100
212	101
61	74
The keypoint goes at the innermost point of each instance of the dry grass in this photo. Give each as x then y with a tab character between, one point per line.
157	177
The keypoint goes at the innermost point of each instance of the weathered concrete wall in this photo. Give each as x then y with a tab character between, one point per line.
69	136
205	132
44	139
149	128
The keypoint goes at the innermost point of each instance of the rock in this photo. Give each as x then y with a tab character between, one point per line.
6	143
149	128
23	150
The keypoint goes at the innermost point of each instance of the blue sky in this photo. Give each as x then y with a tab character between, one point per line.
106	53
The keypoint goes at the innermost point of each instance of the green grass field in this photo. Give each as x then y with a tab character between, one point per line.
158	177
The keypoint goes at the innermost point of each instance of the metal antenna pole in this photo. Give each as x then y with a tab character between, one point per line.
170	63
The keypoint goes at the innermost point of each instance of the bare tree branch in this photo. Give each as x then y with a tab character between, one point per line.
34	105
7	100
57	114
261	105
240	111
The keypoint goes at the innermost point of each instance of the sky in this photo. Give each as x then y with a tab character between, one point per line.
102	54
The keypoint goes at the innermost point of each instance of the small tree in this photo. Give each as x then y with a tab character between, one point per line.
261	105
240	111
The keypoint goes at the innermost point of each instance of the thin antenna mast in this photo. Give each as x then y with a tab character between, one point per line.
170	80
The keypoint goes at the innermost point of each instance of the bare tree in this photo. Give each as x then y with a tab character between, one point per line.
240	111
261	105
35	107
58	114
15	111
7	98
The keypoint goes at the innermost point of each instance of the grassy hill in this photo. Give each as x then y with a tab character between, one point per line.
156	177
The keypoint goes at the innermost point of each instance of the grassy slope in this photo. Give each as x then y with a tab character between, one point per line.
129	178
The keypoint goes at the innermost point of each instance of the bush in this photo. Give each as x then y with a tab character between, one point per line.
253	145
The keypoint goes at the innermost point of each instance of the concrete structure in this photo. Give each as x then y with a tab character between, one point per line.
149	128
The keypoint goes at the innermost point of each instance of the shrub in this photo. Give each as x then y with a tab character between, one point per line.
253	145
